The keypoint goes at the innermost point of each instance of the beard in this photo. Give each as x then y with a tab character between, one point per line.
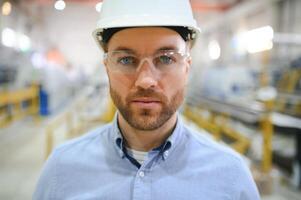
147	119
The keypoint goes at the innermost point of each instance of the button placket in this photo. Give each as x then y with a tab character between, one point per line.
166	153
141	174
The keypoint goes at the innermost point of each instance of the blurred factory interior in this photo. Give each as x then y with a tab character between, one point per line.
244	89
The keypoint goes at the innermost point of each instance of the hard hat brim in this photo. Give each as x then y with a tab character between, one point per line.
142	21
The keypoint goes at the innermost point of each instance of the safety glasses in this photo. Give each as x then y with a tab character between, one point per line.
128	62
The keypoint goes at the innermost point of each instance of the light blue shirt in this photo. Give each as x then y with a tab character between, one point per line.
188	166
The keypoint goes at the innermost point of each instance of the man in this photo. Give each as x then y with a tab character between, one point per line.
146	152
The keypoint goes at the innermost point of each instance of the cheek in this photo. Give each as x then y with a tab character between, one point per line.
120	82
172	83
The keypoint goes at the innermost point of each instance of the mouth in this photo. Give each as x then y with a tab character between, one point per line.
146	100
146	103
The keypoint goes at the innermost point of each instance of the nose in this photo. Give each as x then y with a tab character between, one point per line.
146	75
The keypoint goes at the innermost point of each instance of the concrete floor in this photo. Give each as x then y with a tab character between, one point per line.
22	153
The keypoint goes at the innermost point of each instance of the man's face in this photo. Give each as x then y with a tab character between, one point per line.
149	97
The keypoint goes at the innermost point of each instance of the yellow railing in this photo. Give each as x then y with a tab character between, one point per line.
11	108
63	120
218	129
75	124
70	120
217	125
287	85
267	131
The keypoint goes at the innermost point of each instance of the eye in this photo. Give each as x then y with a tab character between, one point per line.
165	59
128	60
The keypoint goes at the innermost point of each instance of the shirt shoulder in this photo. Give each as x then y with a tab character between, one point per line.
206	143
222	159
65	157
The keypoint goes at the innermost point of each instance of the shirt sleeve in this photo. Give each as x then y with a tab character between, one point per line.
245	184
46	185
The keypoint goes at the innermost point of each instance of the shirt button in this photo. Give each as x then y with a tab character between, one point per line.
141	174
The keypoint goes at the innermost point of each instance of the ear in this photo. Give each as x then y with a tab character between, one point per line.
188	59
105	63
188	64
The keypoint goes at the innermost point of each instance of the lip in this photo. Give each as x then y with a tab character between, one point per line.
146	100
146	103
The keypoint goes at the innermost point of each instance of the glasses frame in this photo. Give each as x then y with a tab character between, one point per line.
142	59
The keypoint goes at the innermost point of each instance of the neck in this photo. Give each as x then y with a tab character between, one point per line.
146	140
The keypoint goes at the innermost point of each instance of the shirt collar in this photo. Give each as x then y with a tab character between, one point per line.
165	148
117	137
173	140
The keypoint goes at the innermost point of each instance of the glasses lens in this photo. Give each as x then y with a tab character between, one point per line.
122	61
167	60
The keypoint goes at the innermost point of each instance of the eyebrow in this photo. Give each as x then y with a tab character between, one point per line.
167	48
121	48
164	48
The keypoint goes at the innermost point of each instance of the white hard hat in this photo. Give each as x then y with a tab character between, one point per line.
140	13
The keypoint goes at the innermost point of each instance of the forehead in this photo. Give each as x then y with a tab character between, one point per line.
146	39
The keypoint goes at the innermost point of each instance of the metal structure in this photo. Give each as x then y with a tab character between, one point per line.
224	110
15	105
74	122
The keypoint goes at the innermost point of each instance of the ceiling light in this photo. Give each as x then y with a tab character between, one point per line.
9	37
214	50
98	6
60	5
6	8
24	43
257	40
